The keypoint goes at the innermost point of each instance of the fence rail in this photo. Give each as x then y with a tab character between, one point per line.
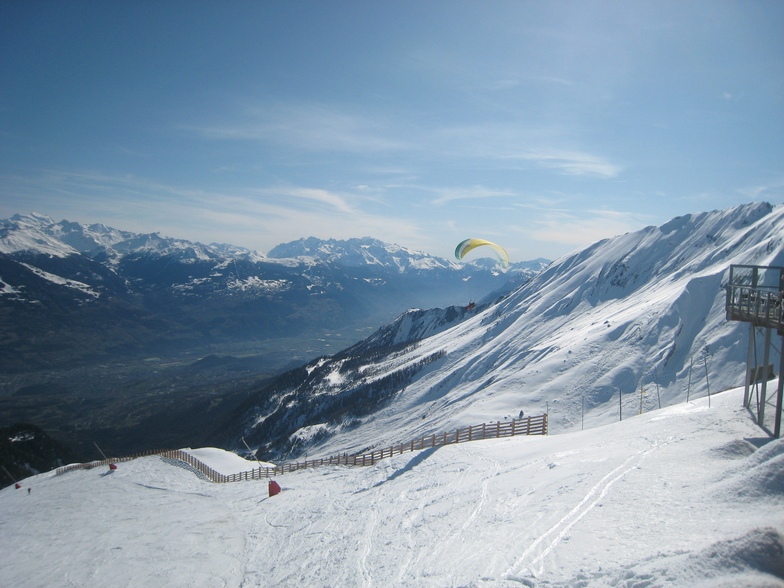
177	454
536	425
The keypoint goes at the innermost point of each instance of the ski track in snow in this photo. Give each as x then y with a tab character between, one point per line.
484	494
364	570
556	533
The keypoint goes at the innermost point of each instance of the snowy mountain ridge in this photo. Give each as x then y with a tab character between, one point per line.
367	251
216	294
38	233
356	252
413	325
640	310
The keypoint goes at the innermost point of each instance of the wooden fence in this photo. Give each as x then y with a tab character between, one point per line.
528	426
177	454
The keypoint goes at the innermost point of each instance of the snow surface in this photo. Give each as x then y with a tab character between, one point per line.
689	495
55	279
25	233
225	462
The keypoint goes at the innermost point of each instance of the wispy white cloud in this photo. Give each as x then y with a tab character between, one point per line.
317	127
732	96
573	163
770	191
324	199
264	218
253	218
312	126
568	228
445	195
513	144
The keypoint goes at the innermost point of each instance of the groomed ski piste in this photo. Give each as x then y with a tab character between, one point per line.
689	495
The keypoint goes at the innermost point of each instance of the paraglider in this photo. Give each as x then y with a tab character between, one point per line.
470	244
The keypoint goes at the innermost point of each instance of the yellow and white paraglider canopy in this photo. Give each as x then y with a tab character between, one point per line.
470	244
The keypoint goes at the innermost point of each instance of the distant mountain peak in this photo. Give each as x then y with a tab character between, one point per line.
29	233
213	292
333	248
358	252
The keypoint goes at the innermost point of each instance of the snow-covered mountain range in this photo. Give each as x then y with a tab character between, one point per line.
687	495
625	325
111	292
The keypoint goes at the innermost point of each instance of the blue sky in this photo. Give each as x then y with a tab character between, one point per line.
543	126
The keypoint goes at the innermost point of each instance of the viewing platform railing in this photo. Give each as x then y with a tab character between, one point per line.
762	307
755	295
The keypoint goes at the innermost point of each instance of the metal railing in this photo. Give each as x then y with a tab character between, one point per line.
764	307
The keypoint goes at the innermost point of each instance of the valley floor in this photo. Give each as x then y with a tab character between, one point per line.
684	496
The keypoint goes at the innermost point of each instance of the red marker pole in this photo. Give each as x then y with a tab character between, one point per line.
17	485
112	466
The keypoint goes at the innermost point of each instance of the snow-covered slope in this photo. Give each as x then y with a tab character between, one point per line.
642	310
26	233
688	496
37	233
415	324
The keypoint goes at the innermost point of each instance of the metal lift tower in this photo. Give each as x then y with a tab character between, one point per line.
755	294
